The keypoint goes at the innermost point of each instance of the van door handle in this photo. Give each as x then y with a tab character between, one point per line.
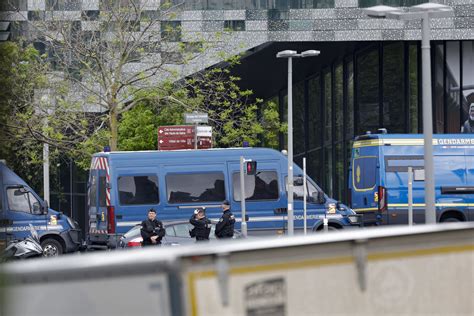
282	210
365	200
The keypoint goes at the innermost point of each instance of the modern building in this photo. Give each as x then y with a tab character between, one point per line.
368	75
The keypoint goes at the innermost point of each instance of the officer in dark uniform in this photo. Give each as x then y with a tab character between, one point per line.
152	230
225	227
202	225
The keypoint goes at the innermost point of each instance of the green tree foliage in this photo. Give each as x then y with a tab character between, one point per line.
233	112
22	70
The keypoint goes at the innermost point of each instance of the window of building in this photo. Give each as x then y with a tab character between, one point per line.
195	187
262	186
327	108
299	117
413	91
234	25
171	31
468	86
394	117
368	91
63	5
349	99
138	190
13	5
438	89
452	87
315	119
90	15
21	200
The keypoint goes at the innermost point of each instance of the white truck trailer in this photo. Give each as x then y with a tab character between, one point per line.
423	270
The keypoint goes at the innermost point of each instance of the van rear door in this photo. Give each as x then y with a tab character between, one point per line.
365	182
97	201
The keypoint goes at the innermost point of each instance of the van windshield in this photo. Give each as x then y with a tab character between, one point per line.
364	173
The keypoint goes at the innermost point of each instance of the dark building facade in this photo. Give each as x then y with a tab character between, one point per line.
370	86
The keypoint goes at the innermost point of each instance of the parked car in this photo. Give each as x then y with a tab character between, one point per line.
177	233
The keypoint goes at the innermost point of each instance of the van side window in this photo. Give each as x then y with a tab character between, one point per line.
298	189
138	190
23	201
195	187
262	186
401	163
93	192
364	173
102	189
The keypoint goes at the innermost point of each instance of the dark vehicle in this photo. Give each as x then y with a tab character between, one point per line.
20	207
177	233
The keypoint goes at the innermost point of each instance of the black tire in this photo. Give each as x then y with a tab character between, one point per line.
51	248
330	229
450	220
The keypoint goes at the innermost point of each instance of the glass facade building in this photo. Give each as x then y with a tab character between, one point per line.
376	86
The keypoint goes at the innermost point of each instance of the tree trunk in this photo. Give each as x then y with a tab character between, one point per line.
113	119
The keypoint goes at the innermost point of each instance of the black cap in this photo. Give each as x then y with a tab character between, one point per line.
225	202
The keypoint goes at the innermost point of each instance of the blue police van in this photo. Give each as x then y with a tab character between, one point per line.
378	178
124	185
20	206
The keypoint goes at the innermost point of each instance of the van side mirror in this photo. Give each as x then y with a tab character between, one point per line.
298	181
318	197
20	191
45	208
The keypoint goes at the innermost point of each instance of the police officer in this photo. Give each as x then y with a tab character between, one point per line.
225	227
152	230
202	225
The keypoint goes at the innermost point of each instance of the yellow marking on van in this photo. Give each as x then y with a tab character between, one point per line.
392	142
365	209
193	276
437	204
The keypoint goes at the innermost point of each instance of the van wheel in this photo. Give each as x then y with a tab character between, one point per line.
450	220
51	248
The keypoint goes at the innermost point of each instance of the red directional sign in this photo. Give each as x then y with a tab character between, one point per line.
182	137
179	130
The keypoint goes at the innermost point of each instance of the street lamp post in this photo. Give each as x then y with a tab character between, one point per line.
290	54
423	12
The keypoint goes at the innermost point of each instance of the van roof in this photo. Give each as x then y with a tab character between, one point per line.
412	140
220	152
9	177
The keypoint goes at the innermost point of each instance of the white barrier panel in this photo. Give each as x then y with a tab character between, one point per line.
388	271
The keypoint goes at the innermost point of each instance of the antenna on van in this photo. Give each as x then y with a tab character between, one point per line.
284	152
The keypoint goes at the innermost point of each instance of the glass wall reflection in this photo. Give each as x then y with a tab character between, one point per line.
377	86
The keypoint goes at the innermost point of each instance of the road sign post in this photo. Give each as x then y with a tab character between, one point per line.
242	196
305	193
